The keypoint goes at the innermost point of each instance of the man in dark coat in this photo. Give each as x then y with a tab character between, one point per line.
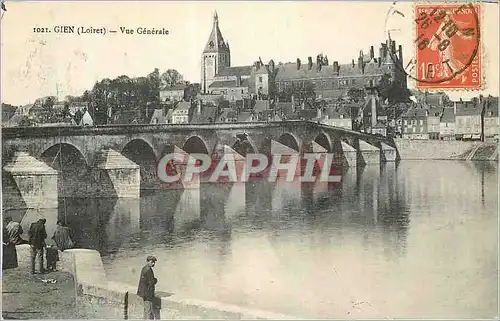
146	289
9	253
37	235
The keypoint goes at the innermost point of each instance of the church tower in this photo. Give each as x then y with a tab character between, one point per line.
215	57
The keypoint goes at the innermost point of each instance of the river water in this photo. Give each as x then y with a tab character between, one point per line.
417	240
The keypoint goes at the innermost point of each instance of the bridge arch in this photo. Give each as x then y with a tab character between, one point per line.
290	140
72	167
324	140
195	144
143	154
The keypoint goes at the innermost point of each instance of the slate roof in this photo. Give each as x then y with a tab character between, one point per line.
244	116
182	105
448	115
207	112
236	71
467	108
335	113
216	38
288	71
435	111
229	84
415	113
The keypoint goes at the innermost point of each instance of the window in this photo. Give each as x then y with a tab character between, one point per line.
406	122
260	78
353	81
421	121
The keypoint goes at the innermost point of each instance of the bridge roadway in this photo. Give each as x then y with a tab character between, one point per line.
94	152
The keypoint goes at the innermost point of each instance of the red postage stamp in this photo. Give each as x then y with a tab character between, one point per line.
448	46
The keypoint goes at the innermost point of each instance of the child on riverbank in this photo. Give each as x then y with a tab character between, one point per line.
52	257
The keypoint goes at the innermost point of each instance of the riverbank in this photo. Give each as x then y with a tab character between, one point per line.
82	291
27	296
414	149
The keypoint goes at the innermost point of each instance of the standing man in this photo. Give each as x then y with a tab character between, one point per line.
37	235
62	237
146	289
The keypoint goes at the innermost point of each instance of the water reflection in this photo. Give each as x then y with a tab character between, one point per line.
309	249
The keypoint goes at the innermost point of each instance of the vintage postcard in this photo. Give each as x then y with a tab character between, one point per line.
250	159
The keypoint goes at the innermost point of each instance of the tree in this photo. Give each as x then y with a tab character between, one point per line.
192	91
356	94
170	78
393	91
27	122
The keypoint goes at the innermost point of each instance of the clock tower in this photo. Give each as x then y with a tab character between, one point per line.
215	57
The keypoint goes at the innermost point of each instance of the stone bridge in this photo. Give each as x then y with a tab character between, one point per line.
115	160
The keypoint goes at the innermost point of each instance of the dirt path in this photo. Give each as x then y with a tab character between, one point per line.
27	296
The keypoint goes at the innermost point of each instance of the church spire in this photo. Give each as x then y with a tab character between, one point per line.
215	41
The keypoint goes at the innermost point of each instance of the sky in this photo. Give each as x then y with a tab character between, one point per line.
34	65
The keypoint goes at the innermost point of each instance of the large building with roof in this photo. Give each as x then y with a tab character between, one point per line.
330	81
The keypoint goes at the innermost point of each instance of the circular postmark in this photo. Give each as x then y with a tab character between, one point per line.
445	39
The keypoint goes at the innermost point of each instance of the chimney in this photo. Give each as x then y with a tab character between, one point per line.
374	110
455	108
298	64
336	67
381	51
400	54
393	47
319	62
309	63
361	64
353	64
372	53
325	61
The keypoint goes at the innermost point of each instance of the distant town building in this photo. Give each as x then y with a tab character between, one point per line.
447	125
339	118
158	117
380	128
467	120
173	93
491	123
231	90
180	115
434	122
87	120
415	124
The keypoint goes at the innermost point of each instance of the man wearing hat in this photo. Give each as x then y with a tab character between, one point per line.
146	289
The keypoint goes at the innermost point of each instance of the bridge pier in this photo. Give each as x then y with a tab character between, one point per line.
115	176
367	153
347	153
28	183
29	192
387	153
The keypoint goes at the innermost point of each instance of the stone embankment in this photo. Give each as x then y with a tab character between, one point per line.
97	298
446	150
